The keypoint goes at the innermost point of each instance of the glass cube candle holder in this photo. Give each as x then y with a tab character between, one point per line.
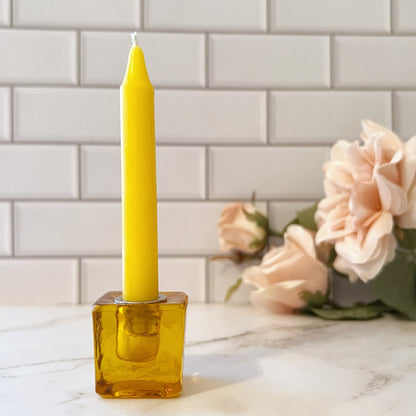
138	346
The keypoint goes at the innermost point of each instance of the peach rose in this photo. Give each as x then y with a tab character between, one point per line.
365	190
239	233
286	271
408	178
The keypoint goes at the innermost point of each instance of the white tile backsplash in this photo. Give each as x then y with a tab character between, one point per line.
361	16
5	114
5	229
30	56
210	116
32	172
314	116
99	276
237	172
100	172
403	12
180	172
382	62
212	15
38	281
78	13
405	110
249	95
269	61
67	114
190	228
172	59
4	12
185	274
281	213
67	228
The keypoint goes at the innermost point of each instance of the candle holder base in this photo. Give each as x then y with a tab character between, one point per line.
138	346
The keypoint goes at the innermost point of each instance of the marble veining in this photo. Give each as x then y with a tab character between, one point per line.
238	361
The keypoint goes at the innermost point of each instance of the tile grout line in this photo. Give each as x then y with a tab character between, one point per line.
269	16
44	256
225	32
198	88
207	173
11	114
207	60
11	13
78	57
142	8
269	117
112	201
331	62
80	280
12	228
79	171
260	144
391	13
207	280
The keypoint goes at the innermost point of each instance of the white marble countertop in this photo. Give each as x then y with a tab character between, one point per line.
238	361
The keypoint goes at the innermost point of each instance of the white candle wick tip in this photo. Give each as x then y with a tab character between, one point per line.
134	39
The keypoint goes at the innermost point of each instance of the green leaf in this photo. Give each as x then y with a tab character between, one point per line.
233	288
406	238
257	244
395	285
314	300
359	312
258	218
330	261
306	217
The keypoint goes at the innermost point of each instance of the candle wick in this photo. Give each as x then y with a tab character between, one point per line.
134	39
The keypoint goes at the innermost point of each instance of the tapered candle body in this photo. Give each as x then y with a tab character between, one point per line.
139	203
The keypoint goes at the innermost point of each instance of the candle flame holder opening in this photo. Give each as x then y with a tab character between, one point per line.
139	345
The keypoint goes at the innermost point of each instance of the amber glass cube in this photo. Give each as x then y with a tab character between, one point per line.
138	347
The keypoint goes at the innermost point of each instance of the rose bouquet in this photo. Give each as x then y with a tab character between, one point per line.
364	228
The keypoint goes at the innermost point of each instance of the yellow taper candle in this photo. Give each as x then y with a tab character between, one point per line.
138	165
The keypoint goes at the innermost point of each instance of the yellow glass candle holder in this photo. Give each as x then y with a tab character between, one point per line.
138	346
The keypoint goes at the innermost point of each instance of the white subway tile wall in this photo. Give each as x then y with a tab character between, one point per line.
31	56
249	96
322	16
5	114
36	172
212	15
273	172
206	116
314	116
180	172
5	229
102	275
403	16
405	104
255	61
172	59
66	114
4	12
38	281
378	61
78	13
